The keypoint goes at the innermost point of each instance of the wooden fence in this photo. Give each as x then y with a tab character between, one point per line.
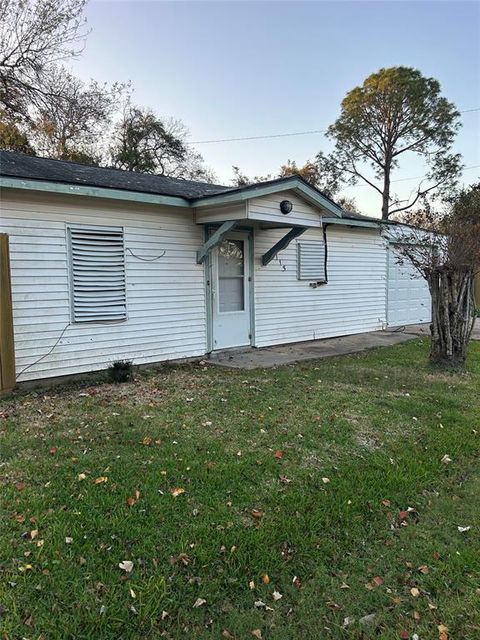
7	347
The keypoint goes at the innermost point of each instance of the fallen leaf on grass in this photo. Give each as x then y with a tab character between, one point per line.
199	602
101	480
446	459
276	595
424	569
415	592
81	476
33	534
443	632
378	581
257	633
126	565
297	583
68	540
463	529
132	500
279	454
265	579
28	621
177	491
53	450
255	513
325	480
25	567
20	486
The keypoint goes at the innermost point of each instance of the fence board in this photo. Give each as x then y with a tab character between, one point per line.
7	348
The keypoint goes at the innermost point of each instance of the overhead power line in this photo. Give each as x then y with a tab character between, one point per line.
353	186
282	135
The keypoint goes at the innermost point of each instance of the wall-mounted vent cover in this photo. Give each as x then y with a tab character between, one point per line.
97	260
311	260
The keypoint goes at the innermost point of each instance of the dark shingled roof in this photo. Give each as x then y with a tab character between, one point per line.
19	165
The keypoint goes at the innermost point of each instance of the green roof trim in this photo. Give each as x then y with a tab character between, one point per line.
258	190
352	222
94	192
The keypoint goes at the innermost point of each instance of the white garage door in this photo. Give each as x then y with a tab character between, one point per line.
409	299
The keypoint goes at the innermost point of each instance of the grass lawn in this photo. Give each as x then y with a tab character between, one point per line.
304	502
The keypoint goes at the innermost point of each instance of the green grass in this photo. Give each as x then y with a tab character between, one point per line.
377	425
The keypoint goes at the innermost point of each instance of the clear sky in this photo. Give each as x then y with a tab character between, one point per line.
232	69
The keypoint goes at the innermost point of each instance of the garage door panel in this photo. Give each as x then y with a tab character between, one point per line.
409	299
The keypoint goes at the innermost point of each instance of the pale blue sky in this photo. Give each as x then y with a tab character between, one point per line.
231	69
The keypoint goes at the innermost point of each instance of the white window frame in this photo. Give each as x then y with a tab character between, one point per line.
302	273
95	317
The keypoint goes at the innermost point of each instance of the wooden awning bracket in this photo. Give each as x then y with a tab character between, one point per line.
283	243
215	239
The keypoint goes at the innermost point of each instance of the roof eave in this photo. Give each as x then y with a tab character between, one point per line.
352	222
7	182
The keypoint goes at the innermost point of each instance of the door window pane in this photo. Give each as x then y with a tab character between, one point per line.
230	258
231	295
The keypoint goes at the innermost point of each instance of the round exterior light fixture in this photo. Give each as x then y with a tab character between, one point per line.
285	207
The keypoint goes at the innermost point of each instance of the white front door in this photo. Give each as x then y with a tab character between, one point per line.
231	292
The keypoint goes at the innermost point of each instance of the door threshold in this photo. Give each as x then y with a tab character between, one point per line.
229	351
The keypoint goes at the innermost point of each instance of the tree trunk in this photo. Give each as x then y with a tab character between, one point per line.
453	316
386	191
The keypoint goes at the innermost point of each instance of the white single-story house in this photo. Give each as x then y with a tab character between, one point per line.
111	265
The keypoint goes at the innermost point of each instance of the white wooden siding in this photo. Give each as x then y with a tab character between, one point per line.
221	214
267	209
165	298
353	301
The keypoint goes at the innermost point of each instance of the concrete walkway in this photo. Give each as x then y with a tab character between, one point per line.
287	354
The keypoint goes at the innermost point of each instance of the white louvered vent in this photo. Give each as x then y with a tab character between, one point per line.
97	261
311	260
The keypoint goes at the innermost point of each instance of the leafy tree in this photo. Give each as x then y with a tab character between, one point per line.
396	112
310	172
35	34
73	117
12	135
347	203
242	180
444	247
143	142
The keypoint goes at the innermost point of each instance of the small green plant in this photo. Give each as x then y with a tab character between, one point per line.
120	371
